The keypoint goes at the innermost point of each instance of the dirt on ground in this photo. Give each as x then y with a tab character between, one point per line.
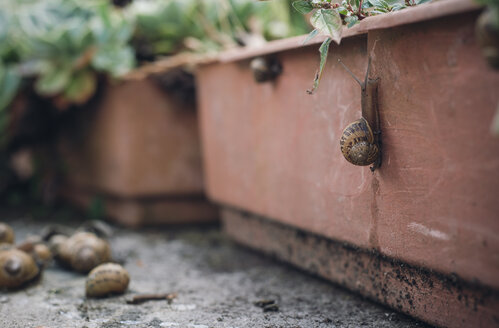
217	284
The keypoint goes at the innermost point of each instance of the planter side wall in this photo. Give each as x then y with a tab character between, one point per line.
139	141
137	151
273	150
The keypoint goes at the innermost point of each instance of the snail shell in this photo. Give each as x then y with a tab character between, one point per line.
6	234
108	278
16	268
42	254
39	251
55	243
84	251
357	143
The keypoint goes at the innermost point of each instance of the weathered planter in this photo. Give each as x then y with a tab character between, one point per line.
272	150
138	152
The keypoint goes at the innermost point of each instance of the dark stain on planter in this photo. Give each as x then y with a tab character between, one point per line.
402	286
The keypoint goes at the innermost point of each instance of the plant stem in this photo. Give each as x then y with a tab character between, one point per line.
360	8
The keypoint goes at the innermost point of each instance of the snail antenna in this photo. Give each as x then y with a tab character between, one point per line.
353	75
368	69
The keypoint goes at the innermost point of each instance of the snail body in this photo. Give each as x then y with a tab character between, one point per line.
357	143
84	251
360	141
16	268
105	279
6	234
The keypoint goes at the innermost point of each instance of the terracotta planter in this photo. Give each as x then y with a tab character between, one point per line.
137	151
272	150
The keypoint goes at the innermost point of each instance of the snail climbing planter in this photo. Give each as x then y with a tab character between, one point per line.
136	153
420	233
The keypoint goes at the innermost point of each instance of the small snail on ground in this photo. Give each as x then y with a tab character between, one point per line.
16	268
108	278
40	252
55	243
84	251
360	140
6	234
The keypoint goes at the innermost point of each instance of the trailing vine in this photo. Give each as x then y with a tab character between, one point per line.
328	18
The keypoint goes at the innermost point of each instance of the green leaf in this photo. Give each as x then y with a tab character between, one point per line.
324	50
81	87
342	10
117	60
303	7
351	20
310	36
9	81
53	80
328	22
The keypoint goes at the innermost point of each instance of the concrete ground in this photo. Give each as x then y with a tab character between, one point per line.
217	283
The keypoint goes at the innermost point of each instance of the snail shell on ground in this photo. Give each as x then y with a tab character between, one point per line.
357	143
39	251
16	268
6	234
42	254
108	278
84	251
55	243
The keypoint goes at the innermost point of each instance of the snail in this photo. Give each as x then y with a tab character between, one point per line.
83	251
265	69
40	252
55	243
360	141
108	278
487	33
6	234
16	268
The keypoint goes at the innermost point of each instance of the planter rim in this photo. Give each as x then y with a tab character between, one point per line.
414	14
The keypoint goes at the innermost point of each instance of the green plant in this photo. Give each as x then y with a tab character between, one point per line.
205	26
328	19
62	45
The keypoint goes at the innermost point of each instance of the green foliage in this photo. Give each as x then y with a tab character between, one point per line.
323	50
328	19
203	26
59	41
328	22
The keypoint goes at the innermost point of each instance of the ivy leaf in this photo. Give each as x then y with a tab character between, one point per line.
303	7
328	22
324	49
351	20
310	36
